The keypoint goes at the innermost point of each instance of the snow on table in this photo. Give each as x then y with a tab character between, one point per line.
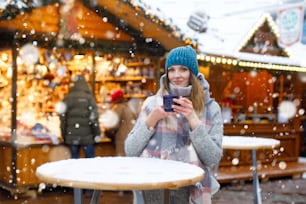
249	142
120	173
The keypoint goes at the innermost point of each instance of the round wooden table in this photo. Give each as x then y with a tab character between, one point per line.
251	143
119	173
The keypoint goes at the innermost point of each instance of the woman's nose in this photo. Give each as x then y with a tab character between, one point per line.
176	73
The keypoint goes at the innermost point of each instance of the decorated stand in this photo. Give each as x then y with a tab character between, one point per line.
42	48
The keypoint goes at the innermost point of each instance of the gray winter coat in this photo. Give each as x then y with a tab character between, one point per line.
206	139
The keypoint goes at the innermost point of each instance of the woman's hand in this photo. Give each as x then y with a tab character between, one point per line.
155	115
185	108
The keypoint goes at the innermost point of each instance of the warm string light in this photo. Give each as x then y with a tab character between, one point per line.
249	64
271	66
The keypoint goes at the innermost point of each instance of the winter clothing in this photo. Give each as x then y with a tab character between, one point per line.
126	122
116	95
185	56
79	123
173	139
89	151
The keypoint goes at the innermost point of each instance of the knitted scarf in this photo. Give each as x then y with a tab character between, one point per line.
171	141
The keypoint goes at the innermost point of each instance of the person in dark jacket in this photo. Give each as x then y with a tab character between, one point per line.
79	120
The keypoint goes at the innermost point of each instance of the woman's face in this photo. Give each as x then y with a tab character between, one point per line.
179	75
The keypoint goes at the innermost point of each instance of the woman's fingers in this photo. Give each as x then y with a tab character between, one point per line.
184	106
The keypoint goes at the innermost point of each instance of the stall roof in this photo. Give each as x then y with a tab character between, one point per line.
131	23
225	25
151	26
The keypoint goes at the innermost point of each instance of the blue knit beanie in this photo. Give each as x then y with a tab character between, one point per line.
185	56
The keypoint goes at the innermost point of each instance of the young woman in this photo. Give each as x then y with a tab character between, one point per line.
191	133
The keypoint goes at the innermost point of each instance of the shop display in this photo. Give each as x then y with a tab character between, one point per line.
136	78
43	78
41	83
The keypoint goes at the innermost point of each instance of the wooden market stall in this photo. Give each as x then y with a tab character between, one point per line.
255	95
41	48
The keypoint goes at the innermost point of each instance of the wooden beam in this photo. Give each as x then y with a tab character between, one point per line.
96	25
44	19
138	20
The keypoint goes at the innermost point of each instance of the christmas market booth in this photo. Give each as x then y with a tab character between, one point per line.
263	95
115	44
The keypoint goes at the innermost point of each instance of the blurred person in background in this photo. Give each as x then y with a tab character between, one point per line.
125	122
79	120
191	132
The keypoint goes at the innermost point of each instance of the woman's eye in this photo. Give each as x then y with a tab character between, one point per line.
171	70
184	69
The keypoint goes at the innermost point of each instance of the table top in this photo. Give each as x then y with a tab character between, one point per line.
120	173
249	142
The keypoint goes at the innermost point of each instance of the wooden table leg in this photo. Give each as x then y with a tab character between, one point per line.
256	188
169	196
96	197
77	196
166	196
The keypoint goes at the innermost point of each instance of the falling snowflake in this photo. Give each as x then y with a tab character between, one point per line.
287	110
29	54
60	107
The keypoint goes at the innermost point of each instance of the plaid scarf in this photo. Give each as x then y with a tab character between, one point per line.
171	141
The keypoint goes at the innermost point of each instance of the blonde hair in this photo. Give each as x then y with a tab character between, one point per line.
197	95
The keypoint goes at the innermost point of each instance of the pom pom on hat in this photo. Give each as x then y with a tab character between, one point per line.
116	95
184	55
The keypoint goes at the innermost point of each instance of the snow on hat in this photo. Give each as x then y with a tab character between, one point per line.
116	95
184	55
